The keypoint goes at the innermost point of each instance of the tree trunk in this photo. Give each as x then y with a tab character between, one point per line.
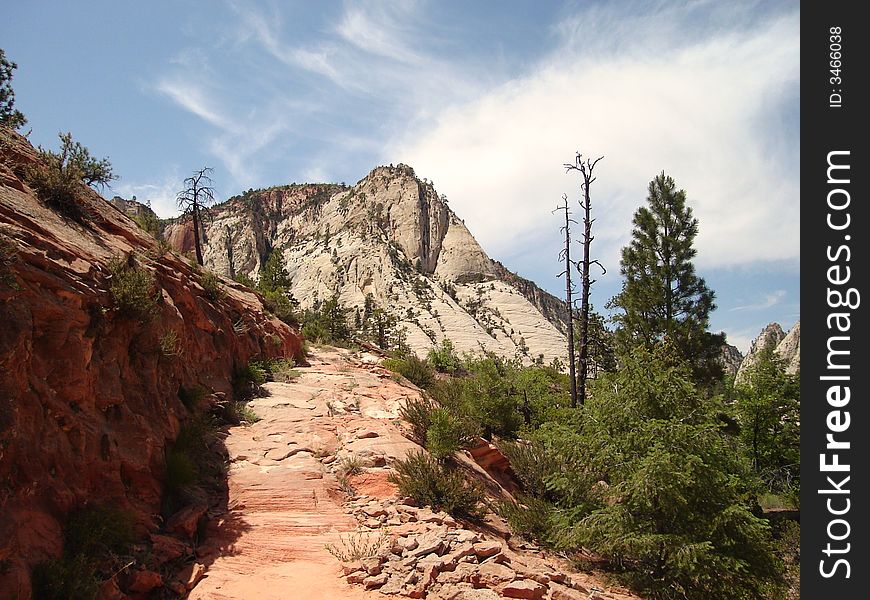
196	241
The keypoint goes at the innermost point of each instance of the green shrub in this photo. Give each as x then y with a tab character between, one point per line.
418	412
282	307
281	369
529	517
59	177
149	223
245	280
181	472
444	358
529	463
97	531
244	413
133	288
65	578
214	289
413	369
675	502
429	482
446	434
248	379
92	536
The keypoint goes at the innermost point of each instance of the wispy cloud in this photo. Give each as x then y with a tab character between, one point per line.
648	102
193	98
769	301
159	195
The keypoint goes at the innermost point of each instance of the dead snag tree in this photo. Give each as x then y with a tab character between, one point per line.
585	168
194	200
565	256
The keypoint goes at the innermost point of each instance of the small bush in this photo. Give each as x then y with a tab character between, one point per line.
349	466
428	482
413	369
444	358
244	413
181	471
248	379
213	287
282	370
282	307
529	463
446	434
418	412
59	178
92	536
97	531
529	517
358	545
169	344
65	578
245	280
133	288
58	190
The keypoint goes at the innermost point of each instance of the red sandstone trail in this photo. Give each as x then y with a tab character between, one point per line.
285	504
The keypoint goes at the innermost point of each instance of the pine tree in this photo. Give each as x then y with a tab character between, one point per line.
9	116
662	297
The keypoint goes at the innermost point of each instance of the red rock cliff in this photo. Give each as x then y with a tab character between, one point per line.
87	399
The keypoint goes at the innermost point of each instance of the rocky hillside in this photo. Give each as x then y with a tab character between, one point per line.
786	345
102	332
393	237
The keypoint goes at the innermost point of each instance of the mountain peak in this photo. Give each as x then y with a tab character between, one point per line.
393	238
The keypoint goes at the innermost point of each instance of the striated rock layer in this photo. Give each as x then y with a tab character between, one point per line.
393	237
88	398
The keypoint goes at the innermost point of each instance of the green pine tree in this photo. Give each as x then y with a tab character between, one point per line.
9	116
767	405
662	297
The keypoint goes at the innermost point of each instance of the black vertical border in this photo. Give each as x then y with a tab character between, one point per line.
824	129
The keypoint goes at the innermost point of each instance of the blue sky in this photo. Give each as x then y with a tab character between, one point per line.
486	99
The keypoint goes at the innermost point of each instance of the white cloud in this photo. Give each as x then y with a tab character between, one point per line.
160	195
693	109
769	301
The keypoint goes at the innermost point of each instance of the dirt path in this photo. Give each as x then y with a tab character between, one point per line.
284	502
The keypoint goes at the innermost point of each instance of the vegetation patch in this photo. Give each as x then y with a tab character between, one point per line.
94	538
429	482
191	464
134	289
214	288
358	545
414	369
58	177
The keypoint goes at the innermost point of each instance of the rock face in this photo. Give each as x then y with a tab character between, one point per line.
393	237
787	346
731	359
89	396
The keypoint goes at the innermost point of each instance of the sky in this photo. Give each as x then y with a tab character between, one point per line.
486	99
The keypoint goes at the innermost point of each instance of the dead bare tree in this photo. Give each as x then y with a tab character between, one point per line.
585	168
194	200
565	256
